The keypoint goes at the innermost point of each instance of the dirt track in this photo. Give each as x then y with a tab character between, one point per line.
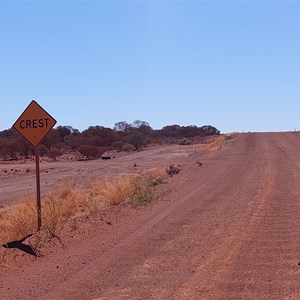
231	230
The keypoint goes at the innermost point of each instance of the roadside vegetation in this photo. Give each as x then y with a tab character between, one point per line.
215	144
67	203
59	207
96	140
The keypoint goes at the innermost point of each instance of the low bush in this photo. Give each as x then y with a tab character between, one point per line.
184	141
54	153
128	148
172	170
89	151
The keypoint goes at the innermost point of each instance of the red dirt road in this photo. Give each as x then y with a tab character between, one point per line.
230	230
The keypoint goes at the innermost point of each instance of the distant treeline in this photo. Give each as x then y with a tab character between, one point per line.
96	140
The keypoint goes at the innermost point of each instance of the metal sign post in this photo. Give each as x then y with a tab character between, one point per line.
38	188
34	124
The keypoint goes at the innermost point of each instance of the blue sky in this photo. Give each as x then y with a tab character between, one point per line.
231	64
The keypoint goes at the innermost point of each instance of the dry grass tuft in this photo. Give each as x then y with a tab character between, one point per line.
216	144
220	141
104	194
230	135
18	221
59	207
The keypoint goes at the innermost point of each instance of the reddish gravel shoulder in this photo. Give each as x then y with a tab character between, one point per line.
228	230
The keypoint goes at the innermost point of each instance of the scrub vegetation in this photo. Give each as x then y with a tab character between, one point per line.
67	203
96	140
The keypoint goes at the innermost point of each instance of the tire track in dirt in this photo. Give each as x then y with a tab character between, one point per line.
275	241
175	238
134	244
231	231
259	259
205	282
254	257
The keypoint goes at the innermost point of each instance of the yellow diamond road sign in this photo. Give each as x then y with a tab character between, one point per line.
34	123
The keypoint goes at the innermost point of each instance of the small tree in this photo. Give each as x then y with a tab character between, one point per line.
89	151
54	153
43	150
63	131
124	127
24	147
10	149
137	139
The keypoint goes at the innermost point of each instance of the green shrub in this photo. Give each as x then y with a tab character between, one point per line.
184	141
137	139
90	152
128	148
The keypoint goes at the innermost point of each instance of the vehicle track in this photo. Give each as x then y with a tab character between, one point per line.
230	230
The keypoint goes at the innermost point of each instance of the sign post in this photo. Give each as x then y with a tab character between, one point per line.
38	187
34	124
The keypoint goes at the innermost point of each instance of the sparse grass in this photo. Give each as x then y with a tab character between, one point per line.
18	221
230	135
103	195
145	188
37	241
184	141
67	203
216	144
220	142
